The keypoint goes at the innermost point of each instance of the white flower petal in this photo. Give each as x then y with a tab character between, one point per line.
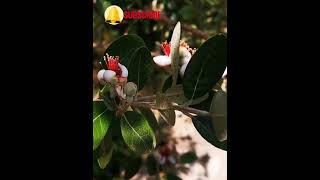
108	75
225	72
183	69
100	77
183	52
185	60
162	60
124	70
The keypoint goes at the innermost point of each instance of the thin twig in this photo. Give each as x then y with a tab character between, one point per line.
187	114
190	110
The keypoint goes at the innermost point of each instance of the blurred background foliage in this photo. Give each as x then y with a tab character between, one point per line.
207	16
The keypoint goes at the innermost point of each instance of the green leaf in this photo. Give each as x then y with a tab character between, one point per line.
167	84
204	126
108	103
101	121
152	165
205	67
148	114
162	102
165	109
105	151
188	157
132	165
106	88
140	67
98	173
125	47
206	104
197	100
218	112
179	97
169	116
137	133
174	52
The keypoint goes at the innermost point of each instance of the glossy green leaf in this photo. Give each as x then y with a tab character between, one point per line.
167	84
162	102
218	112
105	151
131	166
125	47
137	133
140	67
169	116
204	126
108	103
101	121
197	100
152	165
179	95
205	67
152	120
165	109
206	104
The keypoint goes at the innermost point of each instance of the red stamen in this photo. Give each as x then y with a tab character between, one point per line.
113	64
165	48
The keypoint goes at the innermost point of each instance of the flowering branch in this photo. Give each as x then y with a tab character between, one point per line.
152	98
183	109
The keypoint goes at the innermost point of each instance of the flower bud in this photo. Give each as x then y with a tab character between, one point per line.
100	77
130	89
108	75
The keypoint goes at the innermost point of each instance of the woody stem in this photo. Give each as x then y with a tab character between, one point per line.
146	98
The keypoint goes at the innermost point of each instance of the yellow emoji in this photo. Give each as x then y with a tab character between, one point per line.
113	15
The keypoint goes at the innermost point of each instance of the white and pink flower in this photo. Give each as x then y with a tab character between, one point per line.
185	54
115	72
